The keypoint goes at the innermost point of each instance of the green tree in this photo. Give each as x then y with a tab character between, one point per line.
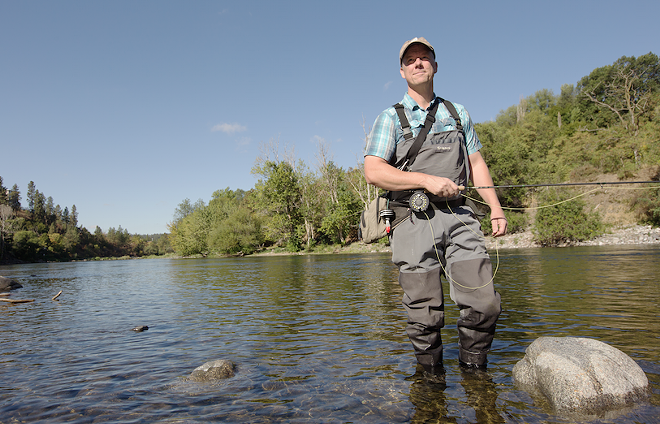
282	197
14	198
240	232
343	216
6	213
74	216
26	245
3	193
622	91
30	195
39	207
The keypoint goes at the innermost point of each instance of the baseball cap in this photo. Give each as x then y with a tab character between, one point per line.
420	40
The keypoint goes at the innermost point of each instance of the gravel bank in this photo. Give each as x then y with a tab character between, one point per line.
637	234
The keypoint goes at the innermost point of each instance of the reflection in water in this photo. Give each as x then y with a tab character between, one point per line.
315	338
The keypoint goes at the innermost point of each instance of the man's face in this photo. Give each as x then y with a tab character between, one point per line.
418	65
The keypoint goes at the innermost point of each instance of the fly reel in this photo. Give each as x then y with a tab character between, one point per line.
419	201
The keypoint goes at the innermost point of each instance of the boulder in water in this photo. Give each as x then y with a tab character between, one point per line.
7	284
218	369
580	375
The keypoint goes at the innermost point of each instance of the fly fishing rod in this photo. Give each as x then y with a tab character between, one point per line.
419	200
461	188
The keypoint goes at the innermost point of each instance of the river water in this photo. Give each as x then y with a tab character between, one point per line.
314	338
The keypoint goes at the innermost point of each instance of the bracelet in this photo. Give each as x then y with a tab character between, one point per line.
492	219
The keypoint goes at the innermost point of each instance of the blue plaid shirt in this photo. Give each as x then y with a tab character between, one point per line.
386	133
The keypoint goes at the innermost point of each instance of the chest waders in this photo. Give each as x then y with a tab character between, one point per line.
446	238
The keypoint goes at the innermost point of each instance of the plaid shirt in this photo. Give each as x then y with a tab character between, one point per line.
386	133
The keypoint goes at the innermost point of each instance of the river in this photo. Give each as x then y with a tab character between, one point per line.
316	338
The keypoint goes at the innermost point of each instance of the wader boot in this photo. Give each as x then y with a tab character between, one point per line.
472	290
424	302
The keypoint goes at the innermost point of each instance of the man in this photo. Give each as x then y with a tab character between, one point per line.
446	238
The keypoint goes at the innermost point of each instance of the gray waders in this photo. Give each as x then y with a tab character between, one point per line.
462	253
444	239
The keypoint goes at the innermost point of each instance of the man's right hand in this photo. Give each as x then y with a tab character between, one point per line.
440	186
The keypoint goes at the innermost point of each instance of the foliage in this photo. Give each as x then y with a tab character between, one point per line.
516	222
621	93
565	222
647	204
46	232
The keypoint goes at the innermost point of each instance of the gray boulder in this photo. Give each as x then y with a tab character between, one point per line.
580	375
7	284
213	370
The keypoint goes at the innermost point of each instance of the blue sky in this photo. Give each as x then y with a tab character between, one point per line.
126	108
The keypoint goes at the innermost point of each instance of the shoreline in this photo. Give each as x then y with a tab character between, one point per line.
629	235
633	234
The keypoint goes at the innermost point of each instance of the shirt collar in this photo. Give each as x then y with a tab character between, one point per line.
409	103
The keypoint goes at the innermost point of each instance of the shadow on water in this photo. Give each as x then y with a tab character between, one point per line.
315	338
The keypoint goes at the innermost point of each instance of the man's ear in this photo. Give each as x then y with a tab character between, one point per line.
435	67
402	74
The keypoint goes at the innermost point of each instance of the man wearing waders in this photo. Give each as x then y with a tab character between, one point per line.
439	235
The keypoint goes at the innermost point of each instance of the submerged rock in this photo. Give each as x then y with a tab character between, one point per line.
7	284
214	370
580	375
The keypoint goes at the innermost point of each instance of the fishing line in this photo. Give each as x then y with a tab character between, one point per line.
437	254
564	184
601	184
497	253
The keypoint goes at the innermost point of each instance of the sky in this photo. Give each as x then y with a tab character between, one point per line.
126	108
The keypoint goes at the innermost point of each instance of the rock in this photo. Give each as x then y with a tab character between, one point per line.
7	284
580	375
140	328
214	370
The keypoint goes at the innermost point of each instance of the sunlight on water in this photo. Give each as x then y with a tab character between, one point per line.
315	338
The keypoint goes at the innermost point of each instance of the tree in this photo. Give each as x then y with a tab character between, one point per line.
74	216
623	90
6	213
50	210
240	232
14	198
343	216
30	196
65	215
184	209
278	198
3	193
39	207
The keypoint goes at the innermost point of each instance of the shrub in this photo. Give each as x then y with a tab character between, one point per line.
565	222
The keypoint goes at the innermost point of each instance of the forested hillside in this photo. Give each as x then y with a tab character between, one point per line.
43	231
604	127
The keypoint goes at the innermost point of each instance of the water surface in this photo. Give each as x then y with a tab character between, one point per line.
315	338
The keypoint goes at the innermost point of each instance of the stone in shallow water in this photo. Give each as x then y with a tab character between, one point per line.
579	374
7	284
214	370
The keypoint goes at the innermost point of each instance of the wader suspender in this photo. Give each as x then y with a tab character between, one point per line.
407	133
404	210
430	119
406	162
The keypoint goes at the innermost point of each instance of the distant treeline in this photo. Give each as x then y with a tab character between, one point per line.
607	123
43	231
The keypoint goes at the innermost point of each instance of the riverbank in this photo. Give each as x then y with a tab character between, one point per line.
633	234
629	235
